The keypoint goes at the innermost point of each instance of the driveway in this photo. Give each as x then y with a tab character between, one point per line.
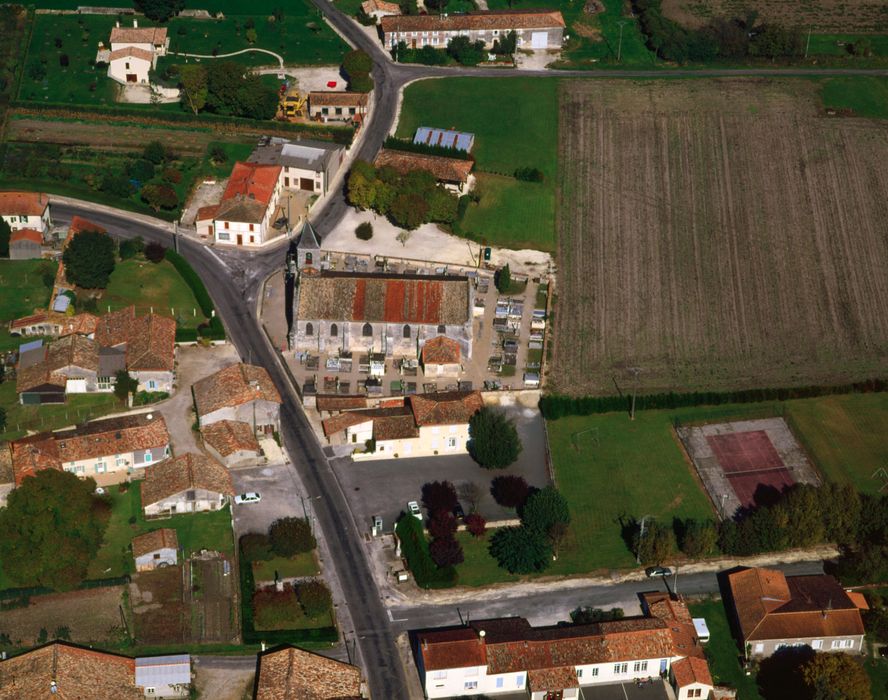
383	487
194	362
280	497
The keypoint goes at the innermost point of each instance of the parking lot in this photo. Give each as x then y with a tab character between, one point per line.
280	499
383	487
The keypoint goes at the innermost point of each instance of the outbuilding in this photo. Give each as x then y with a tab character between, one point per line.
156	549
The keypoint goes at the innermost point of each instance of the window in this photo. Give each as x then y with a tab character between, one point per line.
451	443
759	648
620	668
101	467
152	384
338	111
149	691
325	110
148	457
470	685
190	496
367	330
308	259
251	227
594	672
695	693
640	666
157	555
579	673
334	329
817	644
405	333
127	66
226	225
519	680
439	675
309	329
500	682
223	236
441	330
120	461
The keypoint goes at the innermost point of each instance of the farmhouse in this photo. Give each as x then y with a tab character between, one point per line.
453	173
393	314
109	450
289	673
380	8
773	611
422	425
508	655
149	344
337	106
535	29
308	165
134	52
232	442
54	324
156	549
25	244
189	483
246	211
239	392
26	210
70	365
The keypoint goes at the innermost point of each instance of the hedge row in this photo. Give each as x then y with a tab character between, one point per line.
27	591
253	636
415	549
554	406
212	331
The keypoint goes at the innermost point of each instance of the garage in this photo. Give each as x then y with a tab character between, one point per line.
539	40
307	184
132	78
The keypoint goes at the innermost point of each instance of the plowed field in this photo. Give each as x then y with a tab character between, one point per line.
718	234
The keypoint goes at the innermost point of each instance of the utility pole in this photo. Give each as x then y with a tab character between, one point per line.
622	23
635	371
808	43
640	537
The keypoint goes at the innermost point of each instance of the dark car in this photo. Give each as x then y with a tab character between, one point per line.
458	511
652	571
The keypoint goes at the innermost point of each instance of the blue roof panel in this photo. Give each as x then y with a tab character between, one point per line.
446	138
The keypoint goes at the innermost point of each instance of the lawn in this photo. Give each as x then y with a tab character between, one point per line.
514	125
867	96
303	564
837	44
878	673
845	436
722	651
22	286
195	531
149	286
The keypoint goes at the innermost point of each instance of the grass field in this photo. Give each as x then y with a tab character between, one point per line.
526	138
149	286
22	290
735	244
195	531
865	96
303	564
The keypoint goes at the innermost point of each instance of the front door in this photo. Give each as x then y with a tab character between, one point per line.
306	184
132	78
240	239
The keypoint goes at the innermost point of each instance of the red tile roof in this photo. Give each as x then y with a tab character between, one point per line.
338	99
253	181
182	473
164	538
207	213
393	423
455	648
26	234
150	340
131	52
296	674
370	6
496	19
23	203
78	224
230	436
552	679
139	35
339	402
445	408
441	350
233	386
691	670
771	606
442	168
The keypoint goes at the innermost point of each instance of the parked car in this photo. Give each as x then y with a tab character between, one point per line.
458	511
414	510
249	497
653	571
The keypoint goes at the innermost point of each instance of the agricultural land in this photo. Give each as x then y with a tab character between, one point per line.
735	244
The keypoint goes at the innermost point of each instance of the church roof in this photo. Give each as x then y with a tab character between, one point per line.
308	238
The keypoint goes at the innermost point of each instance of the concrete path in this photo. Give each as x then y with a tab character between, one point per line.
279	58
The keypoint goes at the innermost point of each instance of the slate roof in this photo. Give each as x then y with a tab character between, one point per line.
445	408
296	674
101	438
187	471
394	423
308	238
442	168
230	436
376	298
338	99
233	386
691	670
26	234
23	203
164	538
150	340
131	52
78	674
495	19
441	350
139	35
770	605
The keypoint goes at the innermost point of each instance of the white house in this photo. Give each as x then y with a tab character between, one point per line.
232	442
248	205
134	52
189	483
26	210
308	165
164	676
156	549
239	392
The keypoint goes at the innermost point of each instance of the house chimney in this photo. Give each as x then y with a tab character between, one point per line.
481	635
135	24
425	643
117	24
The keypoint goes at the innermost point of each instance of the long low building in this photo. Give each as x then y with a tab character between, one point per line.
453	173
535	29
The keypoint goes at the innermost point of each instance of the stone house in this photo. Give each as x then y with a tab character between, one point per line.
453	173
156	549
245	214
189	483
56	325
148	343
307	165
377	9
239	392
440	357
134	52
289	672
332	106
232	442
26	210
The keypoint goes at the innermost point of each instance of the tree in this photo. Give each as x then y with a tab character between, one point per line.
314	597
255	546
876	622
439	497
124	385
291	536
52	527
364	231
218	155
140	169
159	10
442	525
544	509
446	552
5	233
466	51
155	252
503	279
2	415
154	152
159	196
193	84
251	35
520	550
699	538
476	524
356	61
509	491
494	441
409	211
89	259
656	544
587	615
836	676
131	247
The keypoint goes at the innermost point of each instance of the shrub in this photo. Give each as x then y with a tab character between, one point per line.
364	231
155	152
315	598
439	497
155	252
172	175
656	545
698	538
218	155
520	550
503	279
529	174
544	509
273	609
509	491
159	196
64	61
415	549
291	536
494	441
442	525
475	524
255	546
131	247
446	551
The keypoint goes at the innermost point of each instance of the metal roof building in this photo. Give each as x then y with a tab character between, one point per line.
446	138
166	676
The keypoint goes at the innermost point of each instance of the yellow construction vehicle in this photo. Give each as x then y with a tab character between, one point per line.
291	104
